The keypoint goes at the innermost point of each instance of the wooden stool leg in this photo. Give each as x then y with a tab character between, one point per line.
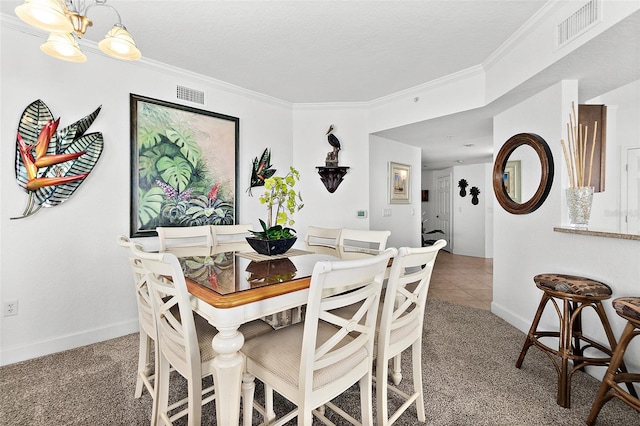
528	342
603	394
613	345
576	328
566	328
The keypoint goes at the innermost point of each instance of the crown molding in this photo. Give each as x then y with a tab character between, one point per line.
91	46
329	105
548	9
442	81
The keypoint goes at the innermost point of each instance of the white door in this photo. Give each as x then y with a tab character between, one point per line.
633	191
443	209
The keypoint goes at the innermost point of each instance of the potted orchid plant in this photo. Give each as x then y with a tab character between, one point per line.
282	201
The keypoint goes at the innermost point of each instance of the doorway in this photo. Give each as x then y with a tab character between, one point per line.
443	209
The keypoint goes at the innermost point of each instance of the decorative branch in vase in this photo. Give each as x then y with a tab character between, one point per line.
576	151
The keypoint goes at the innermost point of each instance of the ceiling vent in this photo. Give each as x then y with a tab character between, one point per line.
191	95
578	23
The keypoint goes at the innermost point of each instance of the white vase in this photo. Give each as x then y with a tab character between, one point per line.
579	202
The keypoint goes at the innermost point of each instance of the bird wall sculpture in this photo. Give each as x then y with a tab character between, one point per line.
332	156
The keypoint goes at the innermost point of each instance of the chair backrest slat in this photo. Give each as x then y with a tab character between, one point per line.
363	238
231	237
317	236
335	284
177	339
406	295
171	237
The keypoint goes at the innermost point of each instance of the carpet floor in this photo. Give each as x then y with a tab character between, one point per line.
468	368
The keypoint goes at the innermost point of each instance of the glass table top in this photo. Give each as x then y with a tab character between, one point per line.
228	273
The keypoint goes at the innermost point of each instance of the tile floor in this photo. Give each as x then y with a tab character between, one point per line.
463	280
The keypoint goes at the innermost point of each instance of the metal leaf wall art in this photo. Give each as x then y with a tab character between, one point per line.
52	163
261	170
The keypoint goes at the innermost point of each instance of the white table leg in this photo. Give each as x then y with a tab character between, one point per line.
228	368
248	390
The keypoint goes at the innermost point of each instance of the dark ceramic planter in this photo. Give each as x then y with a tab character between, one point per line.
271	247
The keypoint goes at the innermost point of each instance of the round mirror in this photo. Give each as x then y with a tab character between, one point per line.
523	173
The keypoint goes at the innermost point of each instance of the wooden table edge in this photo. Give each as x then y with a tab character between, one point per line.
247	296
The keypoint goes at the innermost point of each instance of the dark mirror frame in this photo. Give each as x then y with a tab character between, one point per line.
541	148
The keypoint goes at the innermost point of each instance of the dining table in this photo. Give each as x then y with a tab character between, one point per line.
230	286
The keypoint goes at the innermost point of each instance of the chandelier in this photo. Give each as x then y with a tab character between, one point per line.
67	21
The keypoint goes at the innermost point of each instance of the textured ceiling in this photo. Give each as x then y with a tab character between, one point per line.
341	51
317	51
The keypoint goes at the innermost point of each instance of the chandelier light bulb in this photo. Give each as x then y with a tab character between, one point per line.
55	17
63	46
119	44
47	15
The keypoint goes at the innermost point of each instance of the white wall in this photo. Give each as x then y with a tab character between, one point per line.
526	245
404	219
72	281
488	219
623	131
310	148
469	219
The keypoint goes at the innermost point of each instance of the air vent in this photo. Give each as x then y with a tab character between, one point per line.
191	95
579	22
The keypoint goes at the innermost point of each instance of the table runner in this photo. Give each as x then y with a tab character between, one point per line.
261	257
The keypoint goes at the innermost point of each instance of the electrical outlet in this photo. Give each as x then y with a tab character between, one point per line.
10	307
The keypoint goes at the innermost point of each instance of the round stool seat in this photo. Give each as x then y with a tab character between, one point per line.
571	284
628	307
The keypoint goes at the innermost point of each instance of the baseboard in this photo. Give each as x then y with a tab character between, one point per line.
523	324
509	316
63	343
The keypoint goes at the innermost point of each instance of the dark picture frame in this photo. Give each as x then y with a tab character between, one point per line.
425	195
184	166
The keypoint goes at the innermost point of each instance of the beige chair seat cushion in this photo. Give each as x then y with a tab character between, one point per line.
572	284
628	307
279	353
206	333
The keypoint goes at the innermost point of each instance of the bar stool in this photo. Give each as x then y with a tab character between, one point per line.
576	293
629	309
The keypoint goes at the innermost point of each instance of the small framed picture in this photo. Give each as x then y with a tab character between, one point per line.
425	195
511	180
399	183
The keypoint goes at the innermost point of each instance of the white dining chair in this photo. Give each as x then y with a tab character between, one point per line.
317	236
146	324
183	338
401	326
231	237
313	362
363	238
171	237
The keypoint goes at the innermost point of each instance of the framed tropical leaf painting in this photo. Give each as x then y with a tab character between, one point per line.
184	164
